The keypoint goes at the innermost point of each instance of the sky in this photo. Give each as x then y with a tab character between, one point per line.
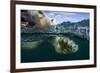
60	17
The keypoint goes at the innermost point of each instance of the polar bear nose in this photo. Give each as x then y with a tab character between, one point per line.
52	20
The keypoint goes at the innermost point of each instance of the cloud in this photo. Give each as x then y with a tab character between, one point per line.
67	16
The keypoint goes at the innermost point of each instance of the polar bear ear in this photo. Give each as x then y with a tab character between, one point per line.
40	12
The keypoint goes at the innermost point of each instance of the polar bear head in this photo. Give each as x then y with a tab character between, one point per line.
42	21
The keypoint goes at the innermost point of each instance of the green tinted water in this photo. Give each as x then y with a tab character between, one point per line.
46	52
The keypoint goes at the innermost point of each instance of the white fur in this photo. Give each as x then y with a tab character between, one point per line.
42	21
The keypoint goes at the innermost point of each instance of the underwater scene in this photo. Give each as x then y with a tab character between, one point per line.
54	36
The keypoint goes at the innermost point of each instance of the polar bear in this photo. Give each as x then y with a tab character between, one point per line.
61	44
40	19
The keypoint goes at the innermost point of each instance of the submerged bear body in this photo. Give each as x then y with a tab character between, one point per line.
61	44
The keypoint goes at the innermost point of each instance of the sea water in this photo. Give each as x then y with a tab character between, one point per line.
46	52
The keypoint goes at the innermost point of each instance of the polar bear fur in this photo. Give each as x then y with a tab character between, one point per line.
41	20
61	44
